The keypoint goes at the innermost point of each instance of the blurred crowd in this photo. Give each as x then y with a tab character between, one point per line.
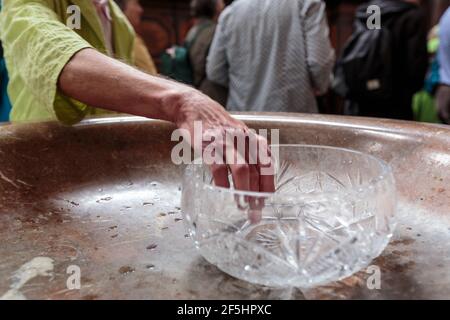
276	56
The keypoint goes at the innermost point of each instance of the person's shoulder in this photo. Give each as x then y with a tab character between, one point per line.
232	9
227	13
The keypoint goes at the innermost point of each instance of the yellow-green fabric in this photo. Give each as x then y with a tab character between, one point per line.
38	44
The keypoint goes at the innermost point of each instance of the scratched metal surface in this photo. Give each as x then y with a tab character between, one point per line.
104	196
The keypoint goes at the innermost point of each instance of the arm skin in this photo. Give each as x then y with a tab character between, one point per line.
103	82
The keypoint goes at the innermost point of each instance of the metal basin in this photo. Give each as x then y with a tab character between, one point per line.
101	200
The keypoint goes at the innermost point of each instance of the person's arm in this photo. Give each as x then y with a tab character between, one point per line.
125	89
103	82
320	54
52	58
217	63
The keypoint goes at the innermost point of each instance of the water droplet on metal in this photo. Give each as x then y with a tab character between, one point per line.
104	199
126	270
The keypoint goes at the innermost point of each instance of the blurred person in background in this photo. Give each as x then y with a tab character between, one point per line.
382	68
199	38
443	91
272	55
142	58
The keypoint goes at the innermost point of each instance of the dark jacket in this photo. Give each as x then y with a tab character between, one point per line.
406	22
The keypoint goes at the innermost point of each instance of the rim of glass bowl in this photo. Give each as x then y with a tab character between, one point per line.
386	172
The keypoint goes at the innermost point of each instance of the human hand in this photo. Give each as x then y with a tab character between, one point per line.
233	148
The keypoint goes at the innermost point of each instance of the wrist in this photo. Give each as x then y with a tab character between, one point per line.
160	101
176	102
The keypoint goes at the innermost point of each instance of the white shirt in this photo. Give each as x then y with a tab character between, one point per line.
274	55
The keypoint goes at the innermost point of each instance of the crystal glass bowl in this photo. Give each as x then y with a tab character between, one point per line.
331	214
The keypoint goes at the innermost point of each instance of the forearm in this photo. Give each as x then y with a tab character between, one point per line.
103	82
99	81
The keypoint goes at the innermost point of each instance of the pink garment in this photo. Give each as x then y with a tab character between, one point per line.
104	14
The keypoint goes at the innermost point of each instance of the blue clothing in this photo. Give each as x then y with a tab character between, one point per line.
5	105
444	48
432	80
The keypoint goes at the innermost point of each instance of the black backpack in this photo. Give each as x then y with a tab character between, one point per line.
366	67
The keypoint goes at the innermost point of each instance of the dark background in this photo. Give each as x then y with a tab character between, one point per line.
166	22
